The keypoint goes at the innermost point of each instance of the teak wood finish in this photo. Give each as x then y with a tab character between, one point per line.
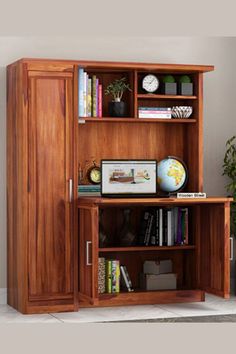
49	267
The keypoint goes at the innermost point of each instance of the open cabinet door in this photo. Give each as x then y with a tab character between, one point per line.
88	254
214	244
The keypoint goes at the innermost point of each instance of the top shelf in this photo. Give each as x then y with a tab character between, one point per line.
165	97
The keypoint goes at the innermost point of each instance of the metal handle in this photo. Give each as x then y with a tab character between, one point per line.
88	263
231	248
70	190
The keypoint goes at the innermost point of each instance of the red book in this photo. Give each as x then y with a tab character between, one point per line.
100	101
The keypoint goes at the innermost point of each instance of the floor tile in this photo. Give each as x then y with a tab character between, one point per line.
6	308
19	318
108	314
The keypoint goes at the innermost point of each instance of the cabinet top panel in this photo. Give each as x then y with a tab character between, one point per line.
68	65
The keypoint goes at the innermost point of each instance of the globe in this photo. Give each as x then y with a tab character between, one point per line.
172	174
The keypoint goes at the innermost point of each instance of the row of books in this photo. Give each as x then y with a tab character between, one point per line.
155	112
89	190
90	95
164	227
112	276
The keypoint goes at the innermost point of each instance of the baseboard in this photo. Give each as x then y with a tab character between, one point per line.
3	296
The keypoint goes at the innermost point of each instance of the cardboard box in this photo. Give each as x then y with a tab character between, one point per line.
158	282
157	267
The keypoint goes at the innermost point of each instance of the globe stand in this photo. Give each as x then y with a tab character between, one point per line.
161	194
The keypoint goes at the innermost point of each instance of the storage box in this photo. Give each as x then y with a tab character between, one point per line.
157	267
158	282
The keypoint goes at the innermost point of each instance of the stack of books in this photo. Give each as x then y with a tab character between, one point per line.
89	190
164	227
90	95
112	276
155	112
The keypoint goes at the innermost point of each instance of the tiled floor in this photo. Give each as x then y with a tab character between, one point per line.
213	306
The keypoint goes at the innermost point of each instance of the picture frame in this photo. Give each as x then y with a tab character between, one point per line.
128	178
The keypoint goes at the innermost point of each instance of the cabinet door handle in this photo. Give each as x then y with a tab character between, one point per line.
231	248
70	190
88	263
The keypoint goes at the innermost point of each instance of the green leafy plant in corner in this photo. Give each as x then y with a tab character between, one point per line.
117	88
229	167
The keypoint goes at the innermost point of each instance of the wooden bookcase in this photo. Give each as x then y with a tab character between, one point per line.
50	226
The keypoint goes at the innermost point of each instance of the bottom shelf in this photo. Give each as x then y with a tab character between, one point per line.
146	297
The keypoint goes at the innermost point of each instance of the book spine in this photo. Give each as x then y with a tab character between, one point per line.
101	275
179	231
160	116
81	92
153	230
128	278
160	227
143	228
113	276
125	280
183	226
94	98
97	98
108	276
169	228
155	109
165	227
149	229
186	227
157	226
100	101
117	290
153	112
89	98
85	94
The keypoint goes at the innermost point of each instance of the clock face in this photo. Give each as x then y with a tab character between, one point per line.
95	175
150	83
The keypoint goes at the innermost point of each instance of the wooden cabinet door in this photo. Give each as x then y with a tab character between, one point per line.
50	171
214	245
88	254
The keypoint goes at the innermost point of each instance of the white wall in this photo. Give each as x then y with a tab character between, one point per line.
219	89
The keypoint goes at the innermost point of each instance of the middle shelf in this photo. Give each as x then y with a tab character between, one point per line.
147	248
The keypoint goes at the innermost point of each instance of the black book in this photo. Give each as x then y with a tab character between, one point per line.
153	229
157	225
143	228
149	228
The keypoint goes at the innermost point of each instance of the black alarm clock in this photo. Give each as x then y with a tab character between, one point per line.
150	83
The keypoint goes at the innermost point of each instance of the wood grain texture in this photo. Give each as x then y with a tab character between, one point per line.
90	201
149	297
214	249
17	203
60	65
88	254
50	151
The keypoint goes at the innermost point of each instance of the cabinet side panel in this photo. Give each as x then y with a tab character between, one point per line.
17	186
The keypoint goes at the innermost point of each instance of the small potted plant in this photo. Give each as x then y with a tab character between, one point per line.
116	89
185	86
169	85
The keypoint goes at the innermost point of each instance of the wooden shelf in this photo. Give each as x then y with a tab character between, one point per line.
147	248
165	97
91	201
82	120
